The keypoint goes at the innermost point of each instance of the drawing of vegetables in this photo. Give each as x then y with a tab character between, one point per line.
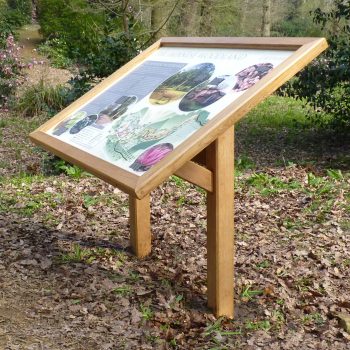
151	156
251	75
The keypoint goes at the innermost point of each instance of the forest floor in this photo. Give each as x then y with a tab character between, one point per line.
69	281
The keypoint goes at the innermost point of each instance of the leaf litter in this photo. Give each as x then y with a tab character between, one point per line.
68	279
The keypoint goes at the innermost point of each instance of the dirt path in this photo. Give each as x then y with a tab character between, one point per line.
29	39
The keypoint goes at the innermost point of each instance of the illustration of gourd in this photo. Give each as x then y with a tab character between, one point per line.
129	135
68	123
249	76
151	156
206	94
182	82
106	115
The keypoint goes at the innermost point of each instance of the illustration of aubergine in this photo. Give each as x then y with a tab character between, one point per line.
206	94
181	83
151	156
80	125
249	76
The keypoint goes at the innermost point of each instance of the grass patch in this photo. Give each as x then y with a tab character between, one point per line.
41	98
122	291
277	113
264	325
17	196
249	294
313	319
269	185
216	329
76	255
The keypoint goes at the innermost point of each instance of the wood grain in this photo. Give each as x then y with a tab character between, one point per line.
104	170
140	225
305	50
229	116
267	43
220	219
197	175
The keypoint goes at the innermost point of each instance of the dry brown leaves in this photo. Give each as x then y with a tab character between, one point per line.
69	281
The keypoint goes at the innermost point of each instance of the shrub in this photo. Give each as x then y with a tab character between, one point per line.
10	71
5	32
41	98
57	51
88	33
297	26
75	22
325	83
79	85
5	28
114	51
18	12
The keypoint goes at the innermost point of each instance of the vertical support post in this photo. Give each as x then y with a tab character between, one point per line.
220	225
140	225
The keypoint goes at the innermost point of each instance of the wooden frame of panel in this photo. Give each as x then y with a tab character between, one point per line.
206	158
305	50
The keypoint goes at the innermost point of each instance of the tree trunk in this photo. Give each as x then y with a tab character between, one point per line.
125	4
266	18
160	11
243	21
206	20
190	18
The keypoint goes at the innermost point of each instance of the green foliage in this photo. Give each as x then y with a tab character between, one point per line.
89	201
113	52
325	83
41	98
76	255
216	329
83	31
270	185
30	203
14	14
78	86
244	163
146	312
249	294
75	22
264	325
57	51
5	28
123	290
71	170
297	26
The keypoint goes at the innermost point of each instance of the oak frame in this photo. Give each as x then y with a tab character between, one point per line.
205	159
140	186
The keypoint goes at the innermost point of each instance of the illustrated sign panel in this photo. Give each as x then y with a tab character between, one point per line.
162	101
157	112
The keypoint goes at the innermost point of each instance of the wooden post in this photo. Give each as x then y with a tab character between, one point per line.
220	220
140	225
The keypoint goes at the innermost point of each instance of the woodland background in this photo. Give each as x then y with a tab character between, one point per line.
68	279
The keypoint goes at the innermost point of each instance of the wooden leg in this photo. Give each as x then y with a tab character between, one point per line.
220	220
140	225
